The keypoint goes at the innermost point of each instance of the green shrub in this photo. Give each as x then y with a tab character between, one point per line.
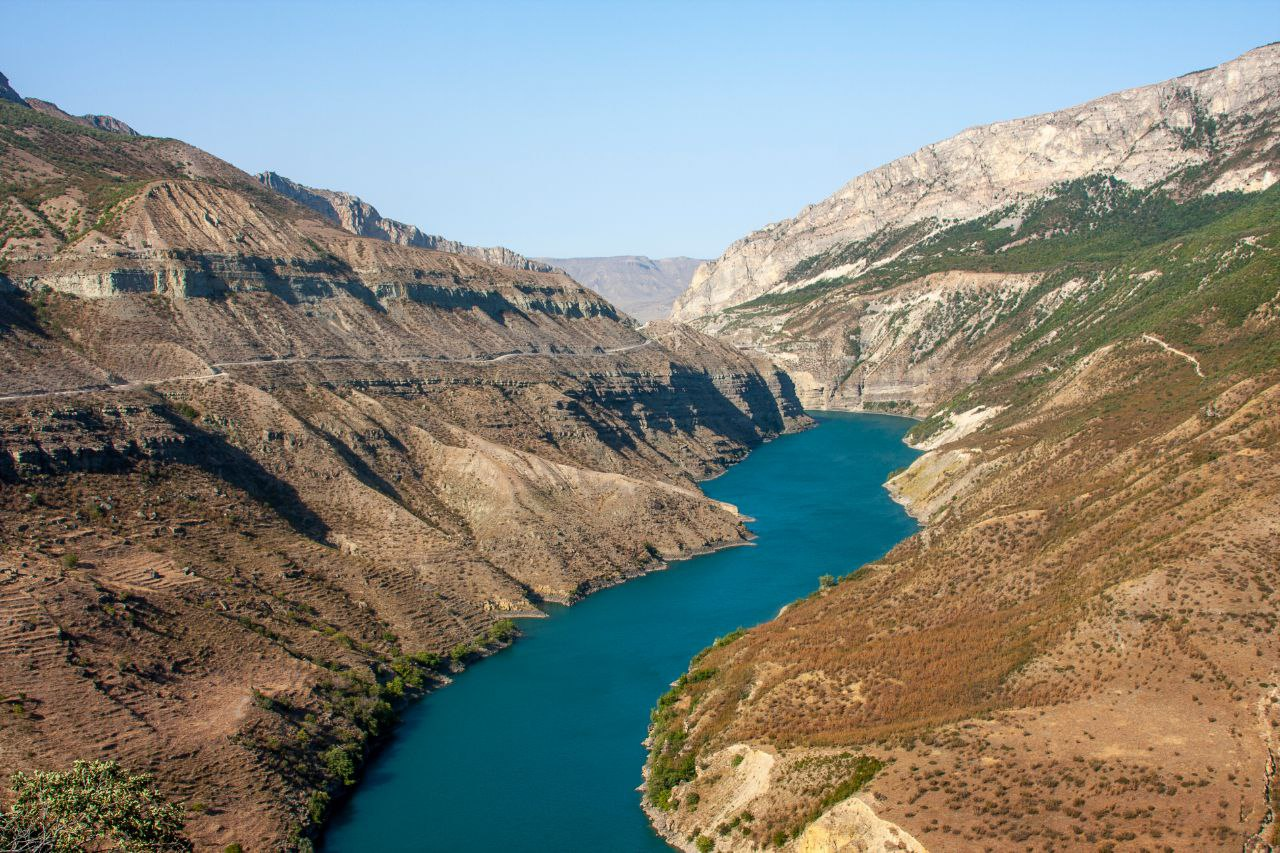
317	806
93	806
502	631
340	764
187	410
704	844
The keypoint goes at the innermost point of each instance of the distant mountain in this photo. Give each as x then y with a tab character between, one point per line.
359	217
643	287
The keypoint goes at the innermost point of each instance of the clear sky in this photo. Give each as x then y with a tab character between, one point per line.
563	128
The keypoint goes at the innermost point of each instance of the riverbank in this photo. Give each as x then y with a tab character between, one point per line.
550	731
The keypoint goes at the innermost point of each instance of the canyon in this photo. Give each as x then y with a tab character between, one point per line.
273	466
265	479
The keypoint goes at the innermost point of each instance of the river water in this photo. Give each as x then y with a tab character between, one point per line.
538	749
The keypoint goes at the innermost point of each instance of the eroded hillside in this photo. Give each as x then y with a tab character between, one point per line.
263	478
1079	651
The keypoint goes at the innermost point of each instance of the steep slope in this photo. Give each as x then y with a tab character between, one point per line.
261	478
353	214
1079	651
643	287
883	296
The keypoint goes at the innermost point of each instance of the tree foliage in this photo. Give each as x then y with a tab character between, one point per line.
94	806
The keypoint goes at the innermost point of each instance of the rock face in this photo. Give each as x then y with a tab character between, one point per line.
100	122
359	217
264	477
1090	611
643	287
1140	136
7	93
886	295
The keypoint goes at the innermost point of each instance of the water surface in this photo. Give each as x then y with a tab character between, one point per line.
538	749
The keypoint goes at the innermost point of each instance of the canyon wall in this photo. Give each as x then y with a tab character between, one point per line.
262	480
885	295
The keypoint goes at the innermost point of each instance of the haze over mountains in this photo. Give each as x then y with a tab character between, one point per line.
359	217
643	287
640	286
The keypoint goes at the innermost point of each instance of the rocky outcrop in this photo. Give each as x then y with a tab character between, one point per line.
99	122
895	293
643	287
1140	136
359	217
7	93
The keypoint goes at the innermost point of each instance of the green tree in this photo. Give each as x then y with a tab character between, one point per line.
96	805
338	760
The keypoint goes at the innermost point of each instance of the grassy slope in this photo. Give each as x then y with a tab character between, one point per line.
1203	276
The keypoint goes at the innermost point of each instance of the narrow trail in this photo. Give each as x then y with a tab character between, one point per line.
220	366
1195	362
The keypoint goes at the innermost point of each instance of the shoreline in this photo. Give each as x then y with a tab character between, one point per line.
339	799
376	748
656	817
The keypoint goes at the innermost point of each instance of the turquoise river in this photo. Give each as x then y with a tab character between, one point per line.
538	748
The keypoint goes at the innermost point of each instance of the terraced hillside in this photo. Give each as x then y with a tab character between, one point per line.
1080	650
261	479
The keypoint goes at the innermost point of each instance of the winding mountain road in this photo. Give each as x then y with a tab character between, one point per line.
219	367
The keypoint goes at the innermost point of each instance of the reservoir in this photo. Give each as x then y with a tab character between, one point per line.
538	749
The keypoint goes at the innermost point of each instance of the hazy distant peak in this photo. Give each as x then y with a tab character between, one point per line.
643	287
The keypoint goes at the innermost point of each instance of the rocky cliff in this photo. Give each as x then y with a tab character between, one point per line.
108	123
870	299
262	479
1077	652
643	287
359	217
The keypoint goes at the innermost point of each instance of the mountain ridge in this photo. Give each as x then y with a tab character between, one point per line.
357	216
1077	651
1161	117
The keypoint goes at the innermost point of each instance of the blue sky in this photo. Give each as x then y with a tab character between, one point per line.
562	128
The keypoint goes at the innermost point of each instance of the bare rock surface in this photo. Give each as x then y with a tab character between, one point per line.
1138	135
